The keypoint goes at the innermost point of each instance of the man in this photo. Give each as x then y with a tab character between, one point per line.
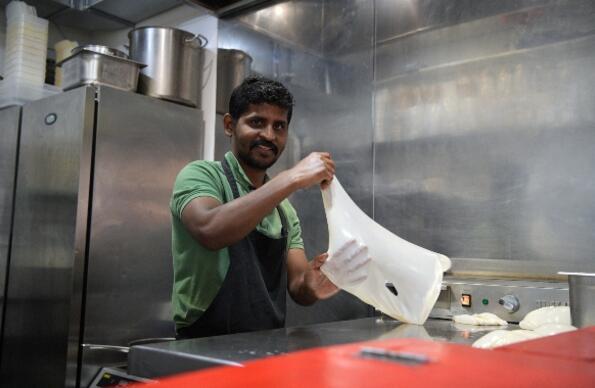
236	239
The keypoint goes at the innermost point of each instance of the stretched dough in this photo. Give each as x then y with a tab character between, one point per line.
403	279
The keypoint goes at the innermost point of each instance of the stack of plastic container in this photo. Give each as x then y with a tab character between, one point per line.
63	50
25	54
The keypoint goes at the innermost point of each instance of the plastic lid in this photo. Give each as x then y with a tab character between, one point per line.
577	273
18	8
100	49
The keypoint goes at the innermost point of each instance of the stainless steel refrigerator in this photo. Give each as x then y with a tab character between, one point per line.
9	139
90	267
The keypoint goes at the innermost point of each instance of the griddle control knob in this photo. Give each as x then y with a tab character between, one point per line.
510	303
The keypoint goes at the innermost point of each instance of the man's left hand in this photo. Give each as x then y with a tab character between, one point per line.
316	281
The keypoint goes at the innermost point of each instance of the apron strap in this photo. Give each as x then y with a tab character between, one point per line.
236	194
230	179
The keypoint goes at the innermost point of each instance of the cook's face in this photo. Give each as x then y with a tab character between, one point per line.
259	136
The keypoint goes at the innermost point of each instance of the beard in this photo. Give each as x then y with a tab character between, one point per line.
258	163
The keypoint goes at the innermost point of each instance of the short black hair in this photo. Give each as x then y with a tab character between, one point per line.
259	90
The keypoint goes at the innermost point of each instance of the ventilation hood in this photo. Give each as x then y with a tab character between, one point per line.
106	15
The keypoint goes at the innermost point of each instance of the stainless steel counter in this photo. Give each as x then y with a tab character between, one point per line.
166	358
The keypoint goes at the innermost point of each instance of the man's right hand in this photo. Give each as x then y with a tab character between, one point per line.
318	167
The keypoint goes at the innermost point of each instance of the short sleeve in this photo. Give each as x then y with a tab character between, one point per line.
295	229
197	179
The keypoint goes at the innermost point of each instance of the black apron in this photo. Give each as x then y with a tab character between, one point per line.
252	296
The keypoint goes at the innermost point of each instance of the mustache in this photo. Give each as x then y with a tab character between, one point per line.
265	143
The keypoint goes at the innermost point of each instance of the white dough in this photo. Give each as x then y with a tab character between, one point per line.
482	319
504	337
554	328
413	271
545	315
542	322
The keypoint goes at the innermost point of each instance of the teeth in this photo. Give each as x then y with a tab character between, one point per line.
265	148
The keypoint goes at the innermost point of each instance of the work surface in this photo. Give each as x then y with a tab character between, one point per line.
168	358
564	360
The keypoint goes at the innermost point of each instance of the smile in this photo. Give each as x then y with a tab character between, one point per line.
265	148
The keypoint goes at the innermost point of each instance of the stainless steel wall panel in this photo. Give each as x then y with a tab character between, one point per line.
9	140
287	62
46	202
399	18
482	122
290	22
348	30
141	145
485	136
484	39
233	35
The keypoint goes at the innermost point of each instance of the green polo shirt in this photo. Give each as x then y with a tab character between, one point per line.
198	271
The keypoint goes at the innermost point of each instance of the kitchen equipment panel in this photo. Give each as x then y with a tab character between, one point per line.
511	300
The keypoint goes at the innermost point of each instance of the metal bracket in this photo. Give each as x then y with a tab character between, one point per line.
389	355
80	5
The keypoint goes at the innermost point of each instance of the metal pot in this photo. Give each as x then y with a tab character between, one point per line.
582	298
232	67
174	63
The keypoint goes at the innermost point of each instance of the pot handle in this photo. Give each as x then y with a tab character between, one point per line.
202	40
121	349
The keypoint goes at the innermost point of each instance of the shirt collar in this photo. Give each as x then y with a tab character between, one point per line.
238	172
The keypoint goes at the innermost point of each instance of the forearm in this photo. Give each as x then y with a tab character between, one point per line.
217	225
227	224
